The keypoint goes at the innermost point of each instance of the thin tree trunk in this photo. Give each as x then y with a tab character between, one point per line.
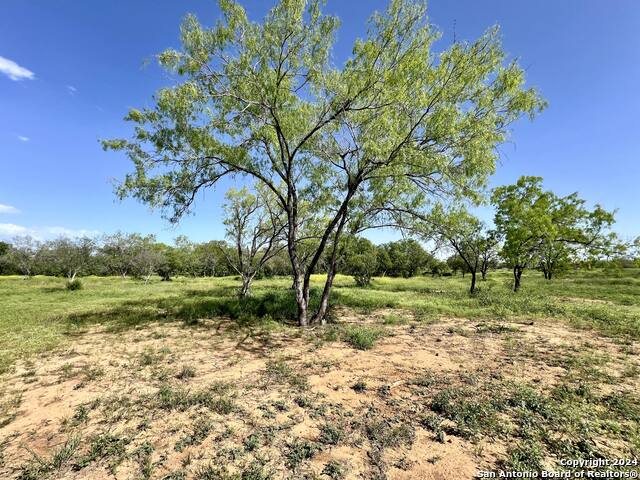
517	275
246	286
473	282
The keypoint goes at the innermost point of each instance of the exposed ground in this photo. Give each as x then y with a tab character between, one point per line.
386	392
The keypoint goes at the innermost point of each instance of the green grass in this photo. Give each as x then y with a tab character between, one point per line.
39	314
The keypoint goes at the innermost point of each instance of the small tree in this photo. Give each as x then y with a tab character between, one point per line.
360	259
71	257
118	251
146	260
541	228
24	255
255	230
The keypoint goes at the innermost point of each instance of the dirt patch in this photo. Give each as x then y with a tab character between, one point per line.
171	401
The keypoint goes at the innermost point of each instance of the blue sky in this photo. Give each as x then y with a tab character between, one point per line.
70	69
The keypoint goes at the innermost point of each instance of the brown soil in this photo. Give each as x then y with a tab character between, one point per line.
117	376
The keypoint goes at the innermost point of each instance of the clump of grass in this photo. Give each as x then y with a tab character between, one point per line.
360	386
186	372
176	398
105	446
199	432
74	284
279	371
335	470
40	467
362	337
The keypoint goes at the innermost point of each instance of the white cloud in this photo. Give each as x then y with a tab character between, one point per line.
10	230
22	138
14	71
8	209
71	89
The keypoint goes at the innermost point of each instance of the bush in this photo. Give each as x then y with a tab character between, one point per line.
362	338
74	284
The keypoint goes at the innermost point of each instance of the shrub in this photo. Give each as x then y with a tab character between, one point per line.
74	284
362	337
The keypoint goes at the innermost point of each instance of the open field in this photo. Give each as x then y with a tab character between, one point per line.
414	379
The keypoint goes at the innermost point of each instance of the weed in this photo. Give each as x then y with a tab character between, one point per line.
298	451
362	337
335	470
331	434
186	372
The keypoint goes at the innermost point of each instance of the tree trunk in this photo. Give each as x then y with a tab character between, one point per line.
246	286
484	274
320	315
517	275
302	299
473	282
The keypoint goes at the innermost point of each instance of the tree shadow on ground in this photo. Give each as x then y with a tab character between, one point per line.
259	310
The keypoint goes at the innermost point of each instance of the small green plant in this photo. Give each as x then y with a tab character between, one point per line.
335	470
362	337
74	284
299	451
360	386
331	434
186	372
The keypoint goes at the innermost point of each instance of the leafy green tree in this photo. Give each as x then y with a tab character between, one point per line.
406	257
541	228
4	249
70	256
255	229
391	127
24	255
119	251
456	229
211	259
360	259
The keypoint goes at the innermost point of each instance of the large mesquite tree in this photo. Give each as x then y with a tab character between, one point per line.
542	228
335	143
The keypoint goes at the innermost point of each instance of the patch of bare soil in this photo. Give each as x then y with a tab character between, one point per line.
169	401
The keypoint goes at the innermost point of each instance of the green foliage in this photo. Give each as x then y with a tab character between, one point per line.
541	228
337	147
362	337
74	284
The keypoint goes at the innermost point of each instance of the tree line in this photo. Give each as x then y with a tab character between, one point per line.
533	228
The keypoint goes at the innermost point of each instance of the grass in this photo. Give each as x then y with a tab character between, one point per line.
39	314
298	401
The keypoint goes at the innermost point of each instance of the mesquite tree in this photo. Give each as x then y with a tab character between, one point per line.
458	230
540	227
255	227
390	127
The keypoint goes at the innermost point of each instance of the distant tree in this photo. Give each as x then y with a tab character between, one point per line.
457	230
394	125
457	264
147	258
24	255
405	257
540	228
255	229
119	252
210	259
70	256
489	252
360	259
4	250
439	268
